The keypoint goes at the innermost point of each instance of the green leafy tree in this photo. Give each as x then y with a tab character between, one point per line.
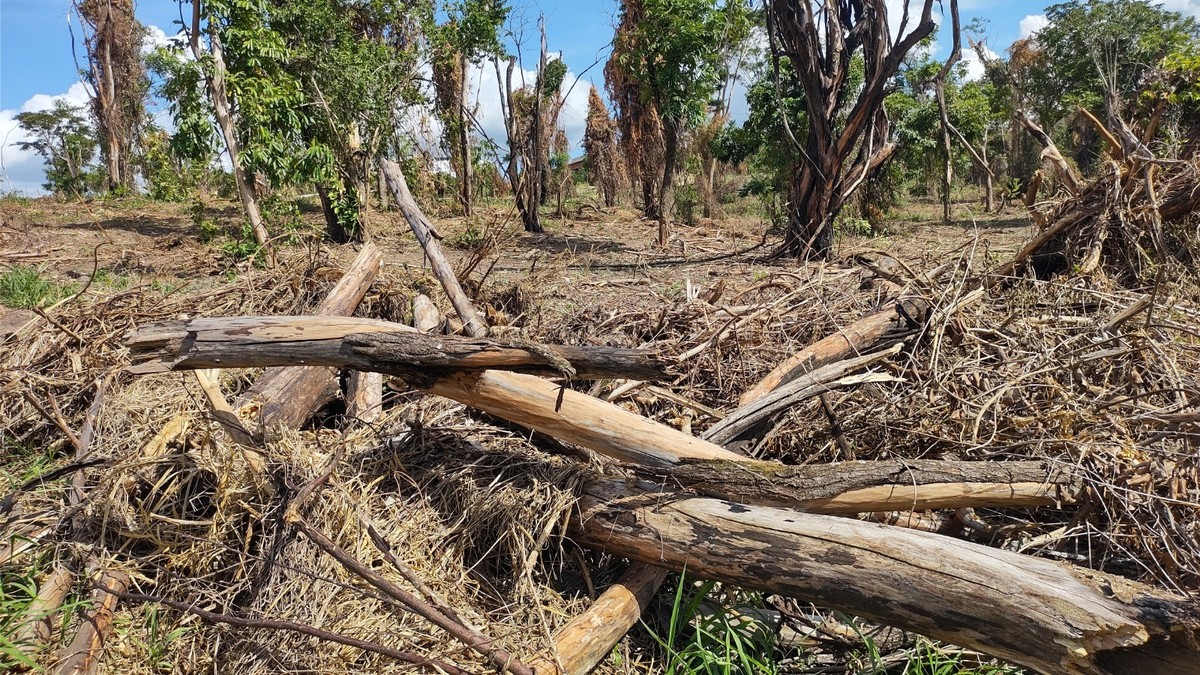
354	63
663	72
1098	55
67	142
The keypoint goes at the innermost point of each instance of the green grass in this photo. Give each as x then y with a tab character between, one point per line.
26	287
717	643
18	589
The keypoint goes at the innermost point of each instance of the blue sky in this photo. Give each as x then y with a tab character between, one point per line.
37	65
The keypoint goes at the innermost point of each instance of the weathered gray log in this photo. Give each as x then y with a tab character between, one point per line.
1033	612
473	324
367	345
880	485
803	387
287	397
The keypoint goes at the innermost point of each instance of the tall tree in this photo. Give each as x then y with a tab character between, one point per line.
1096	54
113	39
847	134
662	74
354	62
65	140
469	35
530	115
217	81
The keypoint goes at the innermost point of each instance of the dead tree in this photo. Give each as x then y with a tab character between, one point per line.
451	88
600	146
846	139
115	69
948	128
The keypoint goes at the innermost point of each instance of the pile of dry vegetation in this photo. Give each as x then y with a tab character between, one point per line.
1029	489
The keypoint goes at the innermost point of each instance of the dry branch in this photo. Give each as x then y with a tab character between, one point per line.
366	345
856	338
1040	614
1062	170
823	379
38	628
473	324
871	486
304	629
82	656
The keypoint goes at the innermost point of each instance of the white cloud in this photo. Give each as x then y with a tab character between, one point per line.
973	63
1033	23
23	170
1185	7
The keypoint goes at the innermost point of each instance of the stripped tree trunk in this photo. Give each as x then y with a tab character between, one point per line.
224	115
1033	612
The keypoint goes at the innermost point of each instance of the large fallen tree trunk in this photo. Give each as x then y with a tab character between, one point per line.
880	485
286	397
1036	613
366	345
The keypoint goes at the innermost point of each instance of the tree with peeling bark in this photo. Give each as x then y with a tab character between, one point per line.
117	75
847	136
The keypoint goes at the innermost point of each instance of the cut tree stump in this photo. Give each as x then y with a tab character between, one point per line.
1040	614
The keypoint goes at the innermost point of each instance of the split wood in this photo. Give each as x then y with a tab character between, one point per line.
367	345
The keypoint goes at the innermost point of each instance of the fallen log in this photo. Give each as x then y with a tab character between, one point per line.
287	397
37	628
473	324
83	655
862	335
367	345
847	488
1040	614
588	638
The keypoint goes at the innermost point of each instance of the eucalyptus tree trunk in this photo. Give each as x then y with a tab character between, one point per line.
224	115
847	130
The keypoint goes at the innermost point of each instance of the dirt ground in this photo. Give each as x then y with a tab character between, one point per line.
599	258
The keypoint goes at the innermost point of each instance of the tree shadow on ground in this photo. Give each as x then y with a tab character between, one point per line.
565	243
146	226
